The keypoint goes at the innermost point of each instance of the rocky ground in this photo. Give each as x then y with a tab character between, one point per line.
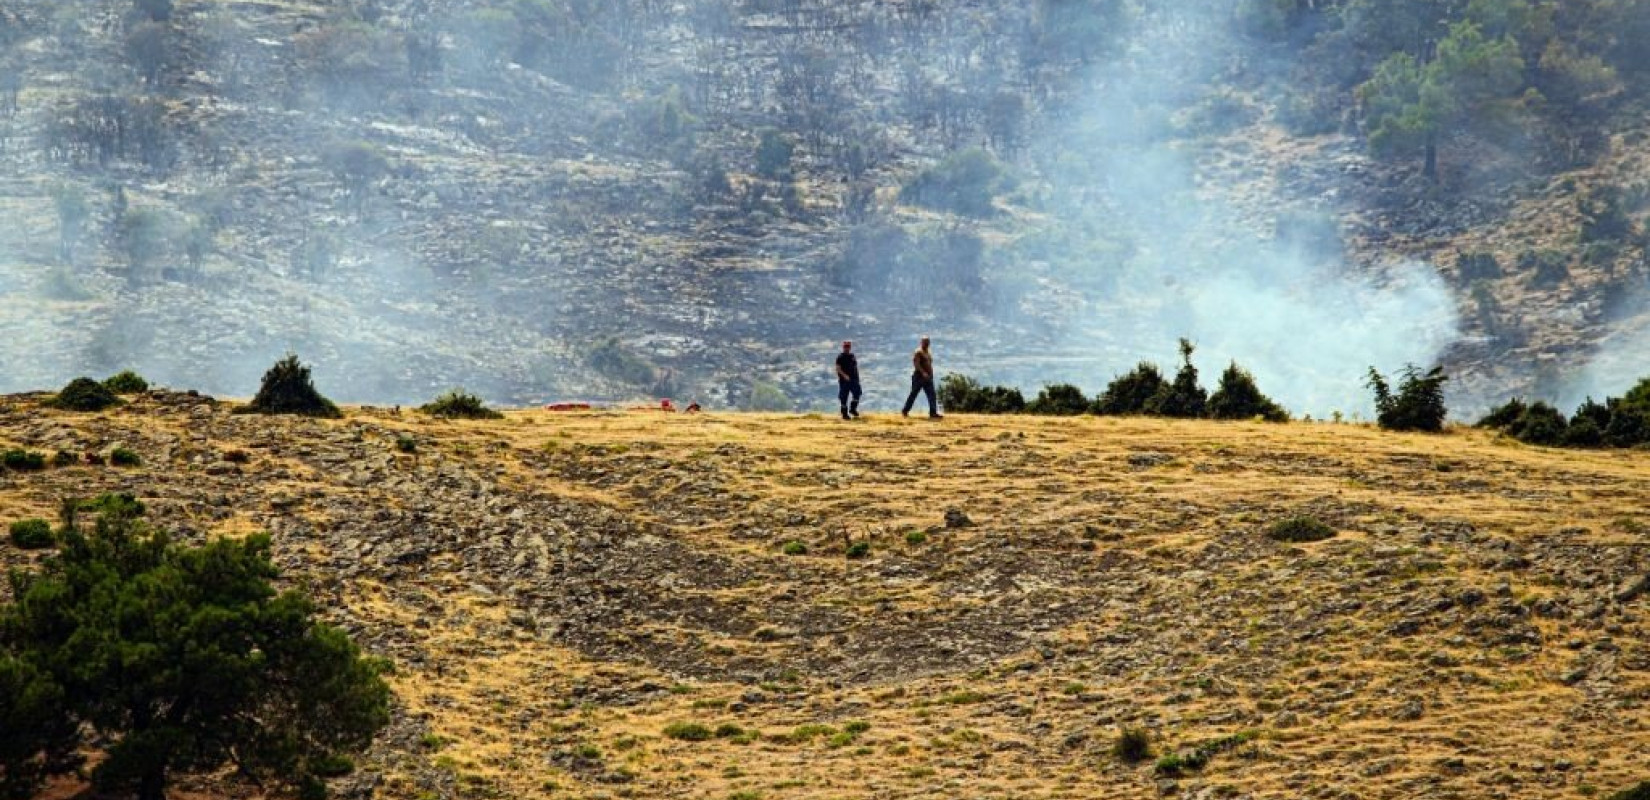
556	591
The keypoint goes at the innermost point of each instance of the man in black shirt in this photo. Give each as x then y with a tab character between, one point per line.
847	381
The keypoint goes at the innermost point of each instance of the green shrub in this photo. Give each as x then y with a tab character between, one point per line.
915	538
1504	415
1059	400
688	731
459	404
84	394
111	505
265	666
1418	405
127	382
1583	433
1299	529
728	730
288	389
1184	398
965	182
1540	424
32	534
1133	745
859	550
964	395
332	766
1639	792
1629	424
1617	422
23	461
64	458
794	548
1238	397
406	444
122	457
1132	392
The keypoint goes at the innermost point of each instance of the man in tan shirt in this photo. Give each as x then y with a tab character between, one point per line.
922	381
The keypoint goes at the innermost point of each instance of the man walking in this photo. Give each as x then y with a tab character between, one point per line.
922	380
847	381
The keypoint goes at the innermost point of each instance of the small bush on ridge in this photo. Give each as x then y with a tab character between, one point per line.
1299	529
963	395
127	382
1059	400
84	394
1132	392
288	389
1239	398
459	404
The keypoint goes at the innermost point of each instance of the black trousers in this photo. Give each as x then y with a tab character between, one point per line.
847	389
921	385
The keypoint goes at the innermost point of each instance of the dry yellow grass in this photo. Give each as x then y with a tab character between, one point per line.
613	573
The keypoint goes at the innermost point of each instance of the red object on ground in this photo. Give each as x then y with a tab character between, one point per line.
567	407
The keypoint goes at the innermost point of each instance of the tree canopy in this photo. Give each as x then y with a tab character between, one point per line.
173	659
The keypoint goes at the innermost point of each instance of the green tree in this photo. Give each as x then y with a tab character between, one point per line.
1185	397
1059	400
1238	397
288	389
1411	104
37	734
1131	392
174	659
1419	403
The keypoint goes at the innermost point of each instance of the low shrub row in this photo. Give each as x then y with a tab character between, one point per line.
1617	422
1142	391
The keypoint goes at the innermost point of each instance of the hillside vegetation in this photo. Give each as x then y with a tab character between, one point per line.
570	199
633	604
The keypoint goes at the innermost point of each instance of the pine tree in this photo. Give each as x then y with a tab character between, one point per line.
1238	397
1184	398
172	659
288	389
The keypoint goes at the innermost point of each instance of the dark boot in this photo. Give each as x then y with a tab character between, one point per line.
845	413
854	409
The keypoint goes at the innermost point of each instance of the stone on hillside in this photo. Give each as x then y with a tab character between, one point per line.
956	518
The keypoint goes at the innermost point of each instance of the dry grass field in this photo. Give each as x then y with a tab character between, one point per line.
641	605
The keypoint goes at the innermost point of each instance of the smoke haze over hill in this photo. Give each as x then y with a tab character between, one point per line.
538	199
